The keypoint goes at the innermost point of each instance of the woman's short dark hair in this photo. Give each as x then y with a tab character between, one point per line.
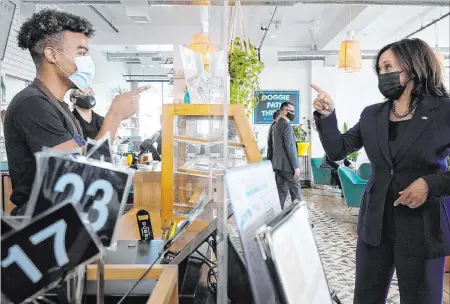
46	28
421	64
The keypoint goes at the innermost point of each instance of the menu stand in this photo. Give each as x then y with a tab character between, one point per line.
101	281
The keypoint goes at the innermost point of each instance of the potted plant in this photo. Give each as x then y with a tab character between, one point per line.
302	133
353	157
244	68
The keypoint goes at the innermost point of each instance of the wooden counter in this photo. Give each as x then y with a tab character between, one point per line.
147	190
127	228
165	291
6	189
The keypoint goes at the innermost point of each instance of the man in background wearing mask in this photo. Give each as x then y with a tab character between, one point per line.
37	117
275	117
90	121
285	160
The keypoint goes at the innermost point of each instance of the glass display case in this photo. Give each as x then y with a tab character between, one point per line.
195	155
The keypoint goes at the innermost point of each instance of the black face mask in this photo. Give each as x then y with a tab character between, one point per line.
390	86
290	116
85	101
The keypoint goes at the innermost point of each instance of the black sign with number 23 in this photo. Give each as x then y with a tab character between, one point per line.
97	191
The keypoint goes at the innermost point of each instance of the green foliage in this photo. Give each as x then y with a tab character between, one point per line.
303	130
345	127
353	156
244	68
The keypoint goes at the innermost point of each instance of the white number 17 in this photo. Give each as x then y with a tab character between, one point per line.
16	254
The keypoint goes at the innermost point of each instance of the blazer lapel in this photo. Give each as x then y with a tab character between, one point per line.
383	132
422	118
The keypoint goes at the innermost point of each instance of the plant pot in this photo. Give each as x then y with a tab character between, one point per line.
302	148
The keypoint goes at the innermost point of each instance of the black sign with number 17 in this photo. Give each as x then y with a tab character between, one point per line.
40	255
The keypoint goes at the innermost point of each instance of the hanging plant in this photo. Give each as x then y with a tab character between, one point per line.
243	63
244	68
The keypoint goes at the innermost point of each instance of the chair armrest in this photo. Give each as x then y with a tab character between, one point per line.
360	184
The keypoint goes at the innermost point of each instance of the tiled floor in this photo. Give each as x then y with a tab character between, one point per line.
336	241
337	247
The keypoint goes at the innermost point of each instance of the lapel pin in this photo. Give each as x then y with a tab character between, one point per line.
424	117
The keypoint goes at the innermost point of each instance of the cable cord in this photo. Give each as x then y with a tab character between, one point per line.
212	286
205	260
141	278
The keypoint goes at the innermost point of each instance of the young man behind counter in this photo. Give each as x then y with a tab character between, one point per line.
37	117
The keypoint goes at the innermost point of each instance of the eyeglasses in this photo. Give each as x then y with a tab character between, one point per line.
290	111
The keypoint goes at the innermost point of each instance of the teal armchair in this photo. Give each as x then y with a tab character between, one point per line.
321	176
365	170
352	186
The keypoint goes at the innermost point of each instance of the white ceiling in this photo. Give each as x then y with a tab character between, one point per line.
375	26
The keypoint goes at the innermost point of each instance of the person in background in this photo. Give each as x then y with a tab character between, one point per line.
404	222
37	117
285	160
90	122
275	117
327	163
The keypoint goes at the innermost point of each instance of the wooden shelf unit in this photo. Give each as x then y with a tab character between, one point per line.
247	142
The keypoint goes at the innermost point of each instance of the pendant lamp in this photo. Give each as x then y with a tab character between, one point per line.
350	57
202	42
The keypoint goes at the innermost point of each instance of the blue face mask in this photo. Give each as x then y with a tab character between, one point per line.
85	73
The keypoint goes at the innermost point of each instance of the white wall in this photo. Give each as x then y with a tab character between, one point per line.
109	76
351	93
283	76
17	62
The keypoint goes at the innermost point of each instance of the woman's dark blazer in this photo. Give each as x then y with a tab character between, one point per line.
422	232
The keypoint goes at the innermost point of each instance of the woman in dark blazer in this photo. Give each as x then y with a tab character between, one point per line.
404	217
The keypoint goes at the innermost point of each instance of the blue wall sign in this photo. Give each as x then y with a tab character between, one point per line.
270	101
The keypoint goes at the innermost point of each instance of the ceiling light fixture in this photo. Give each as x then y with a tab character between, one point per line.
202	42
350	57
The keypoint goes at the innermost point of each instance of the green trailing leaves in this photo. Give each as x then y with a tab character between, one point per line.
244	69
353	156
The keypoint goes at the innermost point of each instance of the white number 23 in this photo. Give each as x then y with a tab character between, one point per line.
77	194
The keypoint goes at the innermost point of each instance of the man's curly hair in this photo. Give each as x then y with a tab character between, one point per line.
46	29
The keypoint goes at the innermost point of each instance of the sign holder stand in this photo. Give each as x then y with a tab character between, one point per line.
101	281
79	283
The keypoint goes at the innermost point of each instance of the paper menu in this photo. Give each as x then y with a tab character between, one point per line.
254	191
297	260
254	198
